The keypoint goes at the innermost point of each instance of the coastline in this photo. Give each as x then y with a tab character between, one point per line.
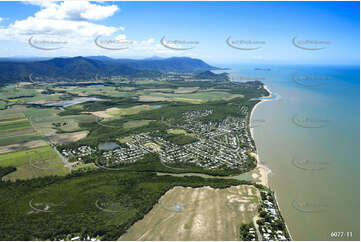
264	170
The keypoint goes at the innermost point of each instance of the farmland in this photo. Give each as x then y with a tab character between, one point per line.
115	136
36	118
11	126
30	163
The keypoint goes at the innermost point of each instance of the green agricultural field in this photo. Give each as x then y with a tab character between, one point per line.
48	122
5	116
36	114
165	90
148	81
2	104
127	89
42	161
19	139
14	93
42	98
11	126
99	90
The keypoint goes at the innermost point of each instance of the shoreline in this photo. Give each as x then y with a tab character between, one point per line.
264	170
260	165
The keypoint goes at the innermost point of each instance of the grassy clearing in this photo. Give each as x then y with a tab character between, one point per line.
176	131
125	139
136	123
180	139
132	110
32	163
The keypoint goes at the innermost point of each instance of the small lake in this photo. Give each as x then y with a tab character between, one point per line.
108	146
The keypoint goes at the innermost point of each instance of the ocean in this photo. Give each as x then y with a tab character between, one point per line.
310	139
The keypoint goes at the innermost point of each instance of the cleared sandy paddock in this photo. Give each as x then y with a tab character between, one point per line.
197	214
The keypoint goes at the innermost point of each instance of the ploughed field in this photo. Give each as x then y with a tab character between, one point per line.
205	213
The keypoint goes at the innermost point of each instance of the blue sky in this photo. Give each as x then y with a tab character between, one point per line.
333	26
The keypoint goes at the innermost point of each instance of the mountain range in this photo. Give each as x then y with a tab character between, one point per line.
13	70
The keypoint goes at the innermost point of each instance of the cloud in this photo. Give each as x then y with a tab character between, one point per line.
120	37
75	23
65	19
76	10
1	19
63	28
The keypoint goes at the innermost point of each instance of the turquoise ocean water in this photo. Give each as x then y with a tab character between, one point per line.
310	138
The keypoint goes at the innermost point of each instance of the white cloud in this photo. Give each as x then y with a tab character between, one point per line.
64	28
76	10
65	19
73	22
120	37
1	19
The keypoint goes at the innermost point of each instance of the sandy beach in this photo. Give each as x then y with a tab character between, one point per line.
261	169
